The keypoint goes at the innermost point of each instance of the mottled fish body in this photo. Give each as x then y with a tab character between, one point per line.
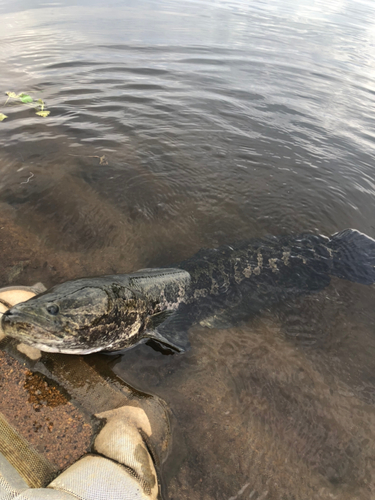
87	315
215	287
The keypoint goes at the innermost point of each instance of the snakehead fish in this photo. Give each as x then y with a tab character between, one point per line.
215	288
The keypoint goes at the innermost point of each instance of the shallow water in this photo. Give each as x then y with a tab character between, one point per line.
219	121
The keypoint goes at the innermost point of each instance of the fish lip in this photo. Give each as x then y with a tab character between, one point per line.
20	327
24	336
66	350
13	320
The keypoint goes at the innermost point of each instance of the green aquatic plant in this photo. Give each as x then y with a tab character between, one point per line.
26	99
43	112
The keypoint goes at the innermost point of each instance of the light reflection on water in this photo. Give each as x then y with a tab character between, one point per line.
220	121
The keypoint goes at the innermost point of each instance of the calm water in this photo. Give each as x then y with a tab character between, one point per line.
219	121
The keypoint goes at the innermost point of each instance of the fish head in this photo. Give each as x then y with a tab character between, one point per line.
70	318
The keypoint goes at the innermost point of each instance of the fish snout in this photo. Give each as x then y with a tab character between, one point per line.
9	318
3	321
11	313
18	325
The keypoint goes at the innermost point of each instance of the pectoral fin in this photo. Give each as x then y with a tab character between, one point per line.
170	330
157	319
155	335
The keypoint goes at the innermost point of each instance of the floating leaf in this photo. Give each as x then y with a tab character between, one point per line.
2	117
41	104
25	98
43	113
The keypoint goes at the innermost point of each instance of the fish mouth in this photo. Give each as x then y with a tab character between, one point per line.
23	328
11	322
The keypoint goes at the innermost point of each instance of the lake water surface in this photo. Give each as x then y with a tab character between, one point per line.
218	121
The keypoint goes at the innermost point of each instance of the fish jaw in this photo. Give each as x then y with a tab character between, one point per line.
24	328
21	326
62	350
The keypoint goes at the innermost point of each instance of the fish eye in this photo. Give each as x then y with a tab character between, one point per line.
53	309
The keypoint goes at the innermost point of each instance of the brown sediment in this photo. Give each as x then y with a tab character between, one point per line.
41	393
42	414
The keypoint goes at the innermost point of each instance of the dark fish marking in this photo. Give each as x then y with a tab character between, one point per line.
214	287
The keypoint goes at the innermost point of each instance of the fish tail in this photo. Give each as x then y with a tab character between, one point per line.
353	256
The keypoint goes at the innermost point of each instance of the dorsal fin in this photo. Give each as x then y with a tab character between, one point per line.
153	282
